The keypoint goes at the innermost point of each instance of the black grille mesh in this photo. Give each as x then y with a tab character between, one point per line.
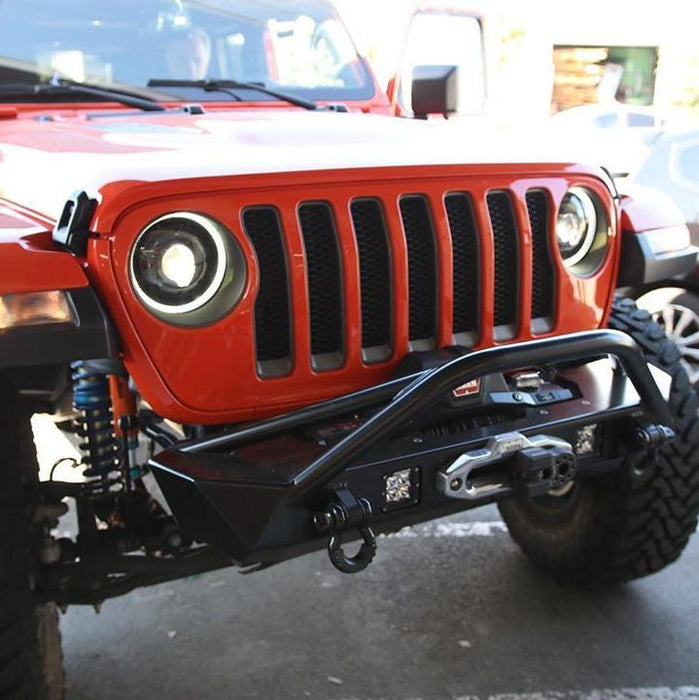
324	278
542	264
272	323
422	267
374	272
502	220
464	241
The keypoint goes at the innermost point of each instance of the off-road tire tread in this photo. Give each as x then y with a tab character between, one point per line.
30	646
640	517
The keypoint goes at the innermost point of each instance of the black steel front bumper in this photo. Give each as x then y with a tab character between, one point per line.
256	492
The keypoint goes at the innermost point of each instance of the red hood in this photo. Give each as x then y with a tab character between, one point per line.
43	161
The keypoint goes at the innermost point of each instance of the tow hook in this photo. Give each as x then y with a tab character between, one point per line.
653	436
343	514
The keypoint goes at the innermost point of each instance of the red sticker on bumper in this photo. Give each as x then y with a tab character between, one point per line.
468	389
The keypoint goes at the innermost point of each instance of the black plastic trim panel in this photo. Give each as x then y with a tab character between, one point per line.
640	266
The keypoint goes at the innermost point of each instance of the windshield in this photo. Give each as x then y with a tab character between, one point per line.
298	47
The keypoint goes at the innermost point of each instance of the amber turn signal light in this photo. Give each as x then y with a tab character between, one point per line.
33	309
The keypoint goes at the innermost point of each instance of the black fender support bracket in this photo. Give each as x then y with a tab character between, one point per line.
73	226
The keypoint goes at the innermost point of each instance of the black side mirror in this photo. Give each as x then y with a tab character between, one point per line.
435	90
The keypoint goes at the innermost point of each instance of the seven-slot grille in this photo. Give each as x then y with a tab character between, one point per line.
389	242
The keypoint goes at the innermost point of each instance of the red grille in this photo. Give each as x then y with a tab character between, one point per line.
406	298
349	271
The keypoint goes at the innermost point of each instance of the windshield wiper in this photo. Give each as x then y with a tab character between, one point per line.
60	86
228	85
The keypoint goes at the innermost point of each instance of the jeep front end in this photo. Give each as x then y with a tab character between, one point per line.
322	321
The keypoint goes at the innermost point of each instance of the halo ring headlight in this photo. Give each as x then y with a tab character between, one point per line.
576	226
187	269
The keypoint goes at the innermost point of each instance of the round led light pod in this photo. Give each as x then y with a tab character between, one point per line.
187	269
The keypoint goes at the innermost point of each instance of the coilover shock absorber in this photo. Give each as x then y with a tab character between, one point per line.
106	418
95	424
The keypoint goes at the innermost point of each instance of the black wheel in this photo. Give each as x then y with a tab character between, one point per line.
636	520
30	647
677	311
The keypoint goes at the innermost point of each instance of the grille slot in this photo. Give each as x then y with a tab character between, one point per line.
464	241
543	271
506	292
422	272
324	284
375	278
272	316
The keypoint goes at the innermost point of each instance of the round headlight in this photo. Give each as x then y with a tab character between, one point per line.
576	225
187	268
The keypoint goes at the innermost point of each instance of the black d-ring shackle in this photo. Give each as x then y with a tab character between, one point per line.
344	514
360	561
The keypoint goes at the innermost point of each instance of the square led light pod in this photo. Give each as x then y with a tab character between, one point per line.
401	488
588	440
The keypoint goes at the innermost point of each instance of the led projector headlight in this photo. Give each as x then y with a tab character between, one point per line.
187	269
583	232
576	226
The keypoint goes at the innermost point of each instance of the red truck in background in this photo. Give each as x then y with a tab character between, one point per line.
322	320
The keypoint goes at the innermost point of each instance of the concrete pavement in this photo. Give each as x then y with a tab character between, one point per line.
449	610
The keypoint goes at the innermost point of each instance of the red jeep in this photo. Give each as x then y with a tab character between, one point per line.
322	321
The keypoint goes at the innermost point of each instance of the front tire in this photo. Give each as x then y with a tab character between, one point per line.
636	520
30	648
677	311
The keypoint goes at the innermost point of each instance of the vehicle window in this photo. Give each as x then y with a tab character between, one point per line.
437	39
638	119
688	163
606	121
300	46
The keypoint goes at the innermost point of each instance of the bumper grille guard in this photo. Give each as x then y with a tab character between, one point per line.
267	515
